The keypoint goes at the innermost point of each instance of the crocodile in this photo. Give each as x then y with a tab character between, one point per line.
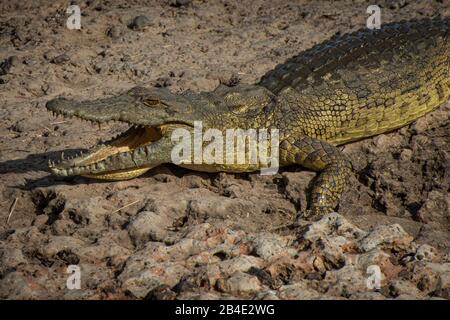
351	87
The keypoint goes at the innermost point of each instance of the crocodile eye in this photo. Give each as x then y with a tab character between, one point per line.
150	101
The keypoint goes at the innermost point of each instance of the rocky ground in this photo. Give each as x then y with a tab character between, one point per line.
177	234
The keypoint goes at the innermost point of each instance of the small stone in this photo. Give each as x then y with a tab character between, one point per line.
402	287
406	154
229	80
139	23
163	82
221	285
180	3
162	292
263	276
283	25
333	224
40	220
241	264
61	243
14	61
319	265
142	274
425	253
427	275
19	127
296	184
267	246
395	5
8	64
332	250
434	209
443	270
114	32
420	125
392	235
243	283
267	295
298	291
346	281
61	59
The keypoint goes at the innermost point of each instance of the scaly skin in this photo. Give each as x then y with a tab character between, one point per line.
345	89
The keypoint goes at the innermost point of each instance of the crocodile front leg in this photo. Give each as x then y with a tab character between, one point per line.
333	165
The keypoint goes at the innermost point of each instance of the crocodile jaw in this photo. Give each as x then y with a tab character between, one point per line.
110	158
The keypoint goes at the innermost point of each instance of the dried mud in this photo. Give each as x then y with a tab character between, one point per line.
178	234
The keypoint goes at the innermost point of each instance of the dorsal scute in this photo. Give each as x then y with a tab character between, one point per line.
363	47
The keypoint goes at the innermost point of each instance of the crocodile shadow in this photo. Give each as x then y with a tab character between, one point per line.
39	162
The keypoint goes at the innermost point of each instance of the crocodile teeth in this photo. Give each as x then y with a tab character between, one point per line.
59	172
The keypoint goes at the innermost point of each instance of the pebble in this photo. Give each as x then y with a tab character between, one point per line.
242	283
139	23
61	59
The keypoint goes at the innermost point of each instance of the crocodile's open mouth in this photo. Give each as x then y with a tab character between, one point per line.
133	141
151	115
